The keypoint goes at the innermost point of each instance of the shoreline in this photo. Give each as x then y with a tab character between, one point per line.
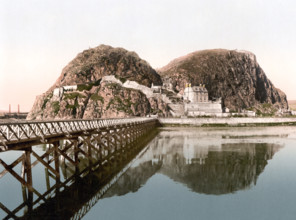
201	122
226	122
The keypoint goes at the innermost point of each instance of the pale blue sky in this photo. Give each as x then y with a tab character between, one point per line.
39	37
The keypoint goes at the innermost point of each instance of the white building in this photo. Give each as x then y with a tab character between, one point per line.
58	92
156	89
195	94
196	102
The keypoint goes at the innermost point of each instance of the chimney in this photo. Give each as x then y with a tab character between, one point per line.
18	108
9	108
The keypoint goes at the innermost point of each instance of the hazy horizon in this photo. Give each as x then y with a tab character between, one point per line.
39	38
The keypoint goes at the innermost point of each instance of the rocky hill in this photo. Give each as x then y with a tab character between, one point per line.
92	64
79	92
235	76
105	82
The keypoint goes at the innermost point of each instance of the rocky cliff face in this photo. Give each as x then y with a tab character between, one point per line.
95	99
92	64
235	76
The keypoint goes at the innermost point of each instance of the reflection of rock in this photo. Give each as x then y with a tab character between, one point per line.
233	168
208	168
128	183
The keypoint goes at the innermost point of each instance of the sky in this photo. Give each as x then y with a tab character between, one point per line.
40	37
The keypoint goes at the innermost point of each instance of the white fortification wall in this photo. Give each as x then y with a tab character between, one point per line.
227	121
134	85
203	108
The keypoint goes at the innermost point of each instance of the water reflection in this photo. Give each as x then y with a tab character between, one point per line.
192	158
72	196
210	161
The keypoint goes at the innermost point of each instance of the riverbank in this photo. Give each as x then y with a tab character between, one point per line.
227	122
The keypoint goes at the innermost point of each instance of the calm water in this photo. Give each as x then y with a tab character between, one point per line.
232	173
197	173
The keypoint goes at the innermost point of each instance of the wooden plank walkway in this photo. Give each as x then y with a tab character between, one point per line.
16	133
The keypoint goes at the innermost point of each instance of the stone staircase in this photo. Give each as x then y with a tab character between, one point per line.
175	103
173	97
177	110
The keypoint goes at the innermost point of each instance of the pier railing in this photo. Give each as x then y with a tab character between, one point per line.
20	132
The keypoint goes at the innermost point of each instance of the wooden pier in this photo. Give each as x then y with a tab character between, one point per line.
72	148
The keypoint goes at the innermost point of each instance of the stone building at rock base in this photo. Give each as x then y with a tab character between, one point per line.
197	103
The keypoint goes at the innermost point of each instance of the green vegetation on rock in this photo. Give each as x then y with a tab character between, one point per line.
120	105
73	107
114	87
97	97
266	110
82	87
88	86
56	107
86	69
48	97
73	95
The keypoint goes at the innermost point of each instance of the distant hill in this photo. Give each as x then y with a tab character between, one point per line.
233	75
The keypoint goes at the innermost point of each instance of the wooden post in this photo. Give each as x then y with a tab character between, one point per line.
57	169
24	189
46	169
64	166
47	178
115	137
90	162
121	137
76	159
57	162
100	146
108	141
28	173
135	132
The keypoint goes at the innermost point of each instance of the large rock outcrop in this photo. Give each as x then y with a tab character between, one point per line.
235	76
80	92
92	64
